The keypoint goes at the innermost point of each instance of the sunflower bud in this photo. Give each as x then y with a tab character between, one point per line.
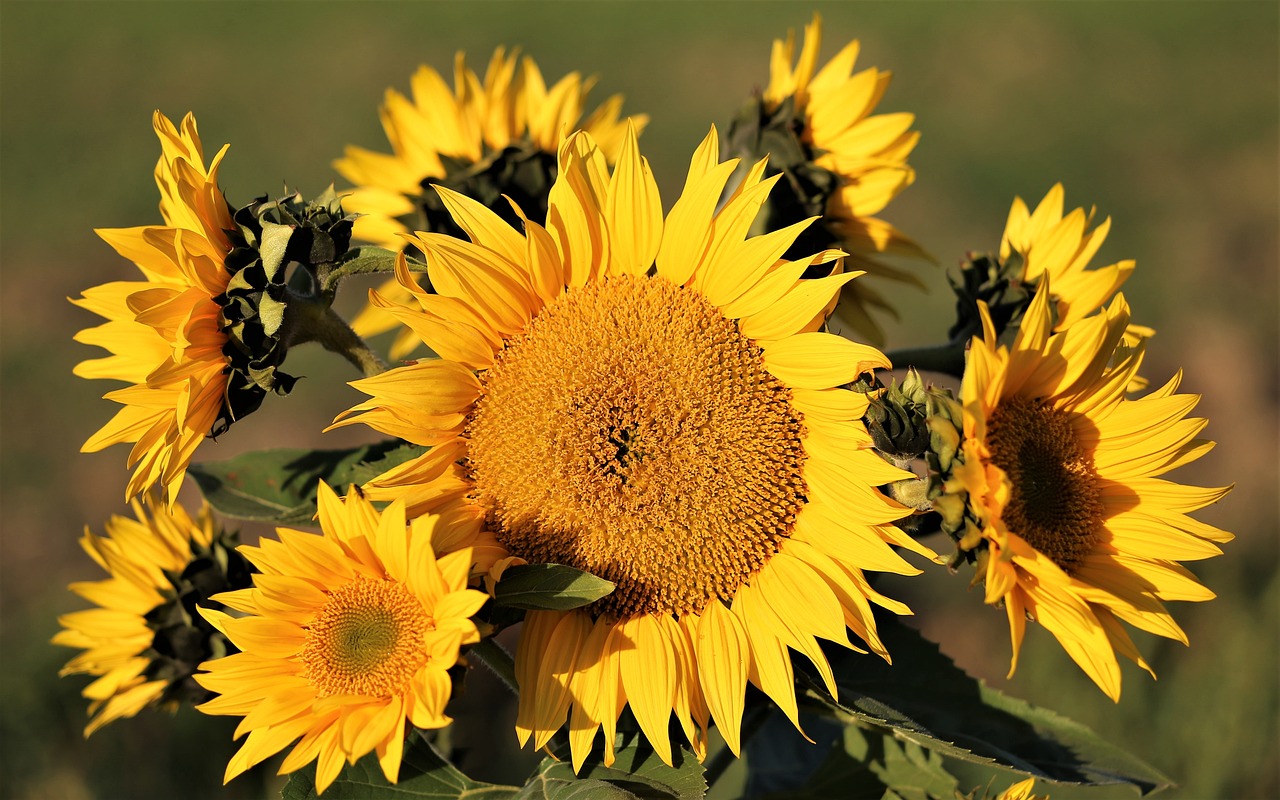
897	419
283	249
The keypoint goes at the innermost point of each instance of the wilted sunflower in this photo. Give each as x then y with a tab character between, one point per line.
840	162
163	332
145	639
483	139
648	400
347	635
1058	472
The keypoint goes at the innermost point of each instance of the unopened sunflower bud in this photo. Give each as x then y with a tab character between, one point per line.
896	419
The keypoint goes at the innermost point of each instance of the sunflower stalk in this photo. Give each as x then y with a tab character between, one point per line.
947	359
310	320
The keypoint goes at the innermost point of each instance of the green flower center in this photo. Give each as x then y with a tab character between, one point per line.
367	640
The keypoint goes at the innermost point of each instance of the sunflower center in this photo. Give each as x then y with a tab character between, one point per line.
367	640
632	431
1054	503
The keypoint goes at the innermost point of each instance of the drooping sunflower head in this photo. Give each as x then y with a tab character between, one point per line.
164	332
487	139
343	637
1055	490
201	337
840	162
649	399
144	640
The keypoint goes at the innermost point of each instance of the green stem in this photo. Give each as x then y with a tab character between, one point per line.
944	358
498	660
724	757
317	322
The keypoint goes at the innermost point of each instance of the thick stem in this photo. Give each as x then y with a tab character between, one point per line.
320	323
944	358
498	660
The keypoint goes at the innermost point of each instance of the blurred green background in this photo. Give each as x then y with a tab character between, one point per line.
1163	114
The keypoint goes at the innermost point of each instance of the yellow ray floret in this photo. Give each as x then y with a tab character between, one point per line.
163	331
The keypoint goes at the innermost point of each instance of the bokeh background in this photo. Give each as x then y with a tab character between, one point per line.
1162	114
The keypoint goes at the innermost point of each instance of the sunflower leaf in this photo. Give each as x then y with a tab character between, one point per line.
548	587
927	700
636	772
279	485
424	775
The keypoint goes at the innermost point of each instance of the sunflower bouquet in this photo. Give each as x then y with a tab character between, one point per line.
647	437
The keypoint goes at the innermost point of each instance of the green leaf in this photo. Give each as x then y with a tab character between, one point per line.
548	587
424	775
279	485
636	771
926	699
871	764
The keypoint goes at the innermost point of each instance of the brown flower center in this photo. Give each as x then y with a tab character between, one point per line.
367	640
1054	504
632	431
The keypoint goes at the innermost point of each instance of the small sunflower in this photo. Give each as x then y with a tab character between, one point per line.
347	635
841	162
1057	479
485	139
145	640
1060	247
648	400
1022	790
164	332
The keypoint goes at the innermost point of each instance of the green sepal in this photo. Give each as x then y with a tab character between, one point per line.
926	699
182	639
259	310
998	283
280	485
548	587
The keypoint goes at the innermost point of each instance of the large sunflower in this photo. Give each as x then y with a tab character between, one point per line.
649	400
1060	247
841	162
347	635
163	332
141	642
485	139
1071	525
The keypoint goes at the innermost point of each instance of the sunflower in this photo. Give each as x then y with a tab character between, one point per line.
1022	790
841	162
648	400
346	635
485	139
164	332
141	642
1060	248
1069	522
